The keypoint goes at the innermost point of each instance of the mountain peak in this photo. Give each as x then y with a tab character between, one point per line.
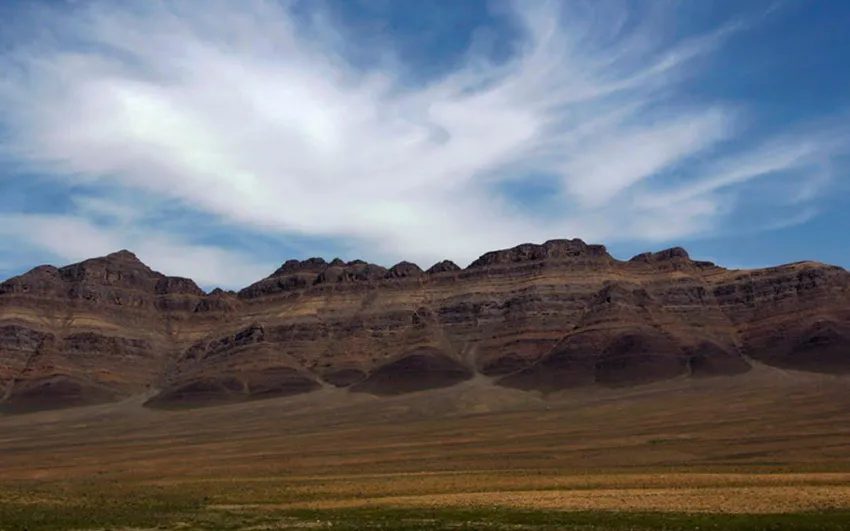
665	255
532	252
123	255
310	265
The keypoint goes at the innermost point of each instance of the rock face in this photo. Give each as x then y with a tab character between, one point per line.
547	317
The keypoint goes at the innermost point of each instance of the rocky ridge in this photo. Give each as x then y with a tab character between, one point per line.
548	317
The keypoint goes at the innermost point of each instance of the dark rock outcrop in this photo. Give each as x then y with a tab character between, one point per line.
446	266
404	270
551	250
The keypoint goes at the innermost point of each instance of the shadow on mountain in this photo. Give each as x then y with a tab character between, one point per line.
420	369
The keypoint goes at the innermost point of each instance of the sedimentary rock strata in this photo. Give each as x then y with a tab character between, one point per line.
559	315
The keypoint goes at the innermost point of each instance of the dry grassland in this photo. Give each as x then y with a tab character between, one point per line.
770	442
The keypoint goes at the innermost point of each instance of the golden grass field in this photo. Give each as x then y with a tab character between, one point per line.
770	443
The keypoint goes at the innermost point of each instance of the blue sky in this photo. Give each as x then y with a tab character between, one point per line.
217	139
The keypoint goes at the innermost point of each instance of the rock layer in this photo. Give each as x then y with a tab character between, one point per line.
546	317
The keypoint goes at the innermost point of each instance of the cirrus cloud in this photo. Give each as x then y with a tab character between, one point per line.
261	119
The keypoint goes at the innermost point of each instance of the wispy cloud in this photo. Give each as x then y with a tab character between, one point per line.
237	111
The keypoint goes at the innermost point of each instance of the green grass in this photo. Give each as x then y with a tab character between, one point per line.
170	512
90	510
589	521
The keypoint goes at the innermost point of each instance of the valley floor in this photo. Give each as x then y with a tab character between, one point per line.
766	450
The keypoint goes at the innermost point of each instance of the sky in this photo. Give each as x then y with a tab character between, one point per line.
218	138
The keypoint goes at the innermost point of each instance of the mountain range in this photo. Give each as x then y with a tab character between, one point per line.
541	318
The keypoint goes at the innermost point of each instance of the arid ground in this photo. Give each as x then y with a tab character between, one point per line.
765	450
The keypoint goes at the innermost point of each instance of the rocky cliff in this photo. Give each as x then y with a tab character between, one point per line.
544	317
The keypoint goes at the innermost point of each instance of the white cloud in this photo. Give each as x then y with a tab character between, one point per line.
232	110
607	167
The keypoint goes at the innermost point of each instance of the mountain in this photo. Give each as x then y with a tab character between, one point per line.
547	317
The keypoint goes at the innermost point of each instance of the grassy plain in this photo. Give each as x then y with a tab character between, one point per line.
768	450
